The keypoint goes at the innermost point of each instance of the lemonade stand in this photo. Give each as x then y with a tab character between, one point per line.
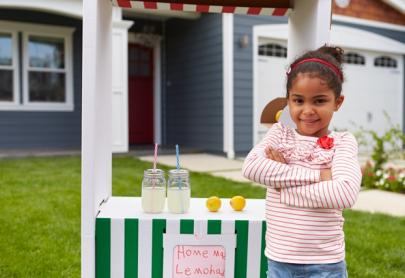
117	238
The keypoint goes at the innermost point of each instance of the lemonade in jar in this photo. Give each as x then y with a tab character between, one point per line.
153	191
178	191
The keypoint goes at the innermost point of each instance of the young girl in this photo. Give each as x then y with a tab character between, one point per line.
311	173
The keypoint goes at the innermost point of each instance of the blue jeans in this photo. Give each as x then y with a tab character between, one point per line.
286	270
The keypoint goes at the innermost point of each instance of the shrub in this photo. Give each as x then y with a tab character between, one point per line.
389	179
386	146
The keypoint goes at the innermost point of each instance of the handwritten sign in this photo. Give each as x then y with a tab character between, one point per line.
203	256
198	261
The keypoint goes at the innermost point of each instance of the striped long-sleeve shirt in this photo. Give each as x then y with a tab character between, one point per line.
303	214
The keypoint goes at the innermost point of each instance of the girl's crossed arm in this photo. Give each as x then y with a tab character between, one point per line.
341	191
258	168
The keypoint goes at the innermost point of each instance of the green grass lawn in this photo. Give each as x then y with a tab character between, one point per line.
40	218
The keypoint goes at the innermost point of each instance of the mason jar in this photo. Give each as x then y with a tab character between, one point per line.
178	191
153	191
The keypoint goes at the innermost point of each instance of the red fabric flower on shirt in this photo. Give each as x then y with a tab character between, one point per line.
325	142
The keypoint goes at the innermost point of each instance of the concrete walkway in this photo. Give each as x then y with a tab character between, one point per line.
21	153
375	201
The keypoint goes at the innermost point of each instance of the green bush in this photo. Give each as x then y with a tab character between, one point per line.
389	179
386	146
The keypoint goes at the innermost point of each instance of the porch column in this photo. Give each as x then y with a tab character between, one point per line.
227	53
120	82
96	122
308	26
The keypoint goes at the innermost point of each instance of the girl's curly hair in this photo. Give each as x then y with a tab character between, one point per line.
330	54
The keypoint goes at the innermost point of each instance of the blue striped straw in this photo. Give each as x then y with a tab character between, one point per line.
178	164
179	180
177	157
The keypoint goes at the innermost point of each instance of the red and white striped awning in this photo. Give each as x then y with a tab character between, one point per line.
251	7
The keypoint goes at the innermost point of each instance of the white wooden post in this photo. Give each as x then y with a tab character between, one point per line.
120	82
308	26
96	122
228	94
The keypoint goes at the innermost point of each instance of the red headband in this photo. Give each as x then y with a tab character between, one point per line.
335	69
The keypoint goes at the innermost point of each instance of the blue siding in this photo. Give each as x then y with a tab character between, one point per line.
243	79
193	112
34	129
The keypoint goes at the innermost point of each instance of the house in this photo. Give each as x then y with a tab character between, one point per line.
195	79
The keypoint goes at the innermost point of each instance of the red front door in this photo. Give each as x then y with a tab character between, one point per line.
140	94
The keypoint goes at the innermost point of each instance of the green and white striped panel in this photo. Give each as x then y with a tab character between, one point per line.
134	248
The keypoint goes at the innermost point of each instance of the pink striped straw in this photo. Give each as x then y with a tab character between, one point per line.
155	158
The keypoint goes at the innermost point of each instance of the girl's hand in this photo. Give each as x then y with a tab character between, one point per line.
326	175
274	155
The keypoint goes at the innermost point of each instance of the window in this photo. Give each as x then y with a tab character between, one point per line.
385	62
35	67
140	61
354	58
273	50
8	69
45	71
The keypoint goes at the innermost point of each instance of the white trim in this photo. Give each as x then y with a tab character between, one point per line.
366	22
228	94
120	82
343	36
56	107
400	64
160	14
354	38
30	27
117	16
255	85
71	8
123	24
47	31
273	31
155	42
5	105
397	4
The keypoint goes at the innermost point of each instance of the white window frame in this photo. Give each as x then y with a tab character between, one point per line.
272	43
358	55
65	33
385	66
14	67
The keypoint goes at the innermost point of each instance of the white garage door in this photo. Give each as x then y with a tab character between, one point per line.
374	84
